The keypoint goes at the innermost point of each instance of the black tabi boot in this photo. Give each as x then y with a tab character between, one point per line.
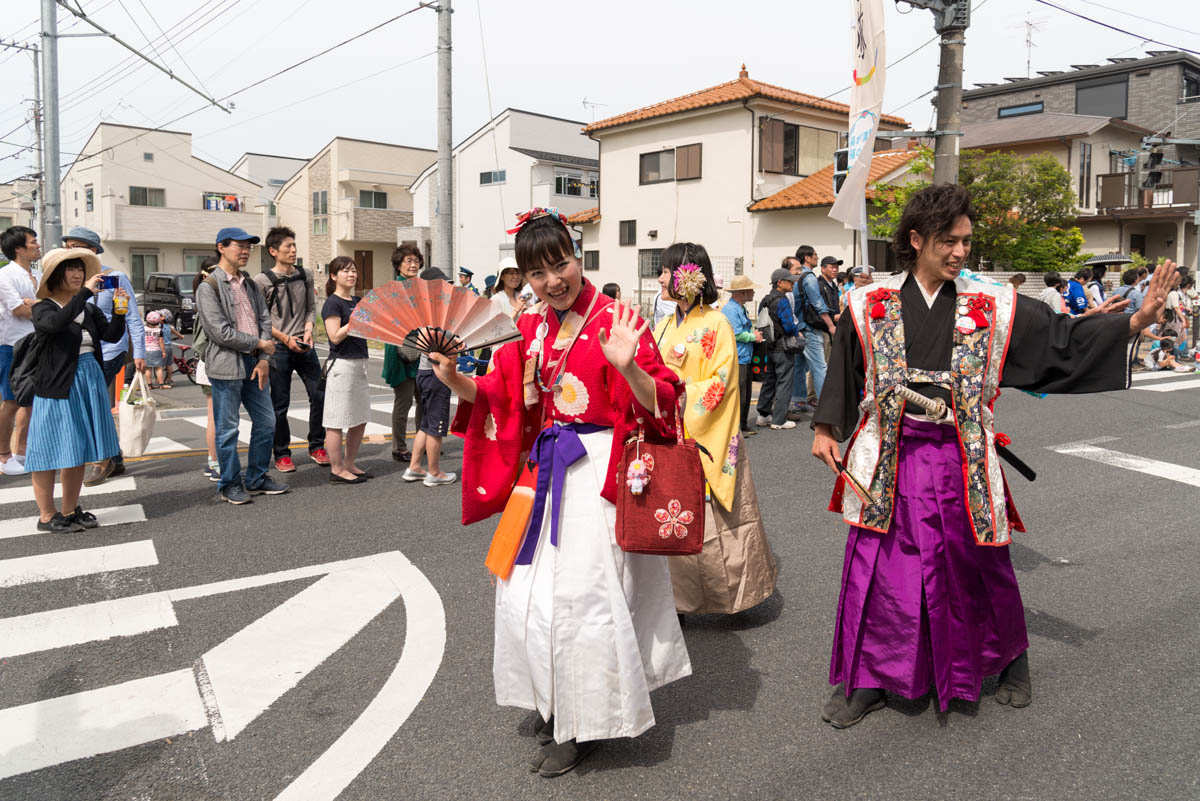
544	731
1016	687
555	759
861	703
836	701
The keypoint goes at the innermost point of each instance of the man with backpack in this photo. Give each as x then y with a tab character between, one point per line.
816	321
785	344
292	301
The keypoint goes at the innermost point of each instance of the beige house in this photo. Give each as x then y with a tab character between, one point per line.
694	167
349	200
17	203
156	206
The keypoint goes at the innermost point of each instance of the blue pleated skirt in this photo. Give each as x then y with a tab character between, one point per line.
68	432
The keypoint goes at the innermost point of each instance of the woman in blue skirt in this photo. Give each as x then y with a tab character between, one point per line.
71	423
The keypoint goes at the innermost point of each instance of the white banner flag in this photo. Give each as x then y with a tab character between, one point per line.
866	106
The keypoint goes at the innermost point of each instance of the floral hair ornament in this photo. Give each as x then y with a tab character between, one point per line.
535	213
688	281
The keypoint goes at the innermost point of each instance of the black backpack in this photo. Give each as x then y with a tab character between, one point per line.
26	355
277	281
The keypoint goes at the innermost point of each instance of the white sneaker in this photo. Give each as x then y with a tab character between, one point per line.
413	475
784	426
762	421
1183	368
446	478
12	467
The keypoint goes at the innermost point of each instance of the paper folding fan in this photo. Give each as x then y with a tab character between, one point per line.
432	316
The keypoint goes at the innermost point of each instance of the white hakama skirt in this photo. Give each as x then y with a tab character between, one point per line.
586	631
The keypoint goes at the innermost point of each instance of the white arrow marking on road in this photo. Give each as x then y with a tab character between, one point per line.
99	721
1172	387
80	562
1088	450
24	494
112	516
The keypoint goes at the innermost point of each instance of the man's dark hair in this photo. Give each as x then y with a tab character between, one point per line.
1098	272
402	252
276	236
1142	271
1083	274
691	253
56	278
804	251
541	242
1053	280
13	238
1129	277
931	213
786	264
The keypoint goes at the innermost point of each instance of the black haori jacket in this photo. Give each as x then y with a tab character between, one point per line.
61	336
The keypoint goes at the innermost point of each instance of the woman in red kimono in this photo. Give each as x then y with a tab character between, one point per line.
584	631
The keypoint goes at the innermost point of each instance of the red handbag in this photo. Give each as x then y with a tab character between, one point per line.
660	500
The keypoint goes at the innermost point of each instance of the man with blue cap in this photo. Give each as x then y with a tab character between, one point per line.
113	352
465	276
233	313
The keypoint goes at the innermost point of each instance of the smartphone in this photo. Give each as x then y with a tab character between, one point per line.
303	346
109	282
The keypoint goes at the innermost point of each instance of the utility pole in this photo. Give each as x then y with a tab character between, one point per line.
950	19
443	255
41	146
51	192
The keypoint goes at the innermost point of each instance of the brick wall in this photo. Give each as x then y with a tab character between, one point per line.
1059	98
321	247
379	225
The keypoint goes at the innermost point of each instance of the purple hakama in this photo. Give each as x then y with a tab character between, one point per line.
923	605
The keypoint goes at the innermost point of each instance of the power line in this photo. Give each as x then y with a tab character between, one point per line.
1143	19
1115	28
172	44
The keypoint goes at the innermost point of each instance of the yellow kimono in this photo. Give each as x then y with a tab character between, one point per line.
736	569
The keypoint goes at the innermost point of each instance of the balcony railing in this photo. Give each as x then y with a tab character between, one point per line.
1179	190
218	201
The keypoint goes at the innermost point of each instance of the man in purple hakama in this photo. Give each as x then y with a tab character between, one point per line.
929	598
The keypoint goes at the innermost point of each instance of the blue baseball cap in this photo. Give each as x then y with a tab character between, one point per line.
81	234
237	235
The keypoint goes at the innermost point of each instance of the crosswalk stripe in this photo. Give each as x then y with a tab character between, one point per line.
79	562
163	445
1174	386
1151	467
111	516
57	628
24	493
1157	375
202	421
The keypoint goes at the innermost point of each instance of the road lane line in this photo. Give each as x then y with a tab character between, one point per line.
1152	467
85	724
24	493
255	667
1188	424
1172	387
79	562
103	620
111	516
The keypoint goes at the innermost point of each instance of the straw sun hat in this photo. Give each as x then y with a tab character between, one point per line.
52	260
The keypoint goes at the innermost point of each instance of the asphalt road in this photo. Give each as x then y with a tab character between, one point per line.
1107	573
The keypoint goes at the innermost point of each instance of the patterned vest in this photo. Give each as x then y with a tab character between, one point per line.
983	316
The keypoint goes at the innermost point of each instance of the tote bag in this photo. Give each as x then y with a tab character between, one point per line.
136	416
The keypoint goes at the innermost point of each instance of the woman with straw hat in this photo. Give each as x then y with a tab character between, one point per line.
71	423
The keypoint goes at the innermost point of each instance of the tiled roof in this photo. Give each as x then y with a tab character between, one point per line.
817	189
743	88
1038	127
586	216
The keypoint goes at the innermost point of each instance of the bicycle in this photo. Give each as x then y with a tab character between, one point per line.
185	364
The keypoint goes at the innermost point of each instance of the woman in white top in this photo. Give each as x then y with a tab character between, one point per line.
508	298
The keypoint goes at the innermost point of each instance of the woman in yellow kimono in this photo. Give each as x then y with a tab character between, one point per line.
736	569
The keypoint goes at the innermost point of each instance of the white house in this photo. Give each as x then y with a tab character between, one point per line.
694	168
270	172
156	206
516	161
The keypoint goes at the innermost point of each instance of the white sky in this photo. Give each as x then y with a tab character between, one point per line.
542	56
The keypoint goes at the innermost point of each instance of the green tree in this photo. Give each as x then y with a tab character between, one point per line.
1025	209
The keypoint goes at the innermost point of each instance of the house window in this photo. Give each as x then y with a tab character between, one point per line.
1085	175
656	167
687	162
649	263
594	187
1103	97
320	226
147	157
568	184
1021	110
1191	87
320	213
591	260
794	149
6	222
192	259
89	198
142	264
272	210
146	196
372	200
492	177
628	232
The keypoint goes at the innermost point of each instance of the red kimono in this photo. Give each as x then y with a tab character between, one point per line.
499	429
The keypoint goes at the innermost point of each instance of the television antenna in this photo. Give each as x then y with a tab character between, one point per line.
1030	26
591	106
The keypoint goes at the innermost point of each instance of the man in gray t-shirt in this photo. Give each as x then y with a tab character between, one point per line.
292	301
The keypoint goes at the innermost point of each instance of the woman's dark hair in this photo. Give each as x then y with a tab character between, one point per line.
541	242
931	213
691	253
56	278
611	290
336	266
206	266
1053	280
404	251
